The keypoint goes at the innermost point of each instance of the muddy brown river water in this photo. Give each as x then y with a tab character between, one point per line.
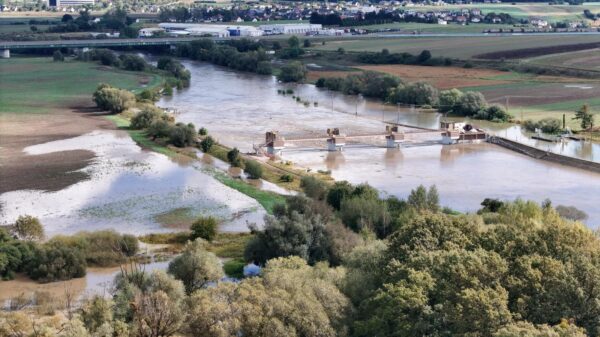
238	108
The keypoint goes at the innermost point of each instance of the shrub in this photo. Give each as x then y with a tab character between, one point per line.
204	228
133	62
234	268
418	93
571	213
264	68
313	187
196	267
449	99
182	135
234	158
159	128
470	103
146	117
292	72
547	125
55	263
207	143
113	99
29	228
58	56
287	178
253	169
202	131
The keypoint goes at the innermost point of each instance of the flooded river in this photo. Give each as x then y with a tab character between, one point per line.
238	108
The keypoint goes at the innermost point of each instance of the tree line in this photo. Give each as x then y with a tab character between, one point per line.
393	90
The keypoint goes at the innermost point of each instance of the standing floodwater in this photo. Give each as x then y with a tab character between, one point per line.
239	108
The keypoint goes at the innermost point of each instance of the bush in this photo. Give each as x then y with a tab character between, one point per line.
113	99
207	143
159	129
182	135
286	178
202	131
264	68
547	125
253	169
196	267
204	228
58	56
28	228
234	158
470	103
133	62
55	263
146	117
418	93
313	187
234	268
292	72
494	113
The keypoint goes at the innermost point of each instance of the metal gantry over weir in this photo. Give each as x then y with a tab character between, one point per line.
394	136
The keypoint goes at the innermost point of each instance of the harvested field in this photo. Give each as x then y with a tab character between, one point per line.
443	77
585	60
464	47
538	51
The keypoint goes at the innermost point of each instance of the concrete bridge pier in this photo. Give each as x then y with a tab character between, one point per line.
5	53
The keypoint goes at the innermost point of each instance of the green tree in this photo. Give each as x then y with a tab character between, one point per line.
234	158
196	267
207	143
29	228
204	228
58	56
253	169
585	116
292	72
449	99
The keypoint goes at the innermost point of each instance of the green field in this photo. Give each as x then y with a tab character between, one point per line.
453	46
551	13
434	28
38	85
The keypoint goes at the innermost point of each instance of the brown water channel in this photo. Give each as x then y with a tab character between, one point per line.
238	108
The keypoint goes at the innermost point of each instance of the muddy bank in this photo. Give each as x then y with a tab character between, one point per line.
48	172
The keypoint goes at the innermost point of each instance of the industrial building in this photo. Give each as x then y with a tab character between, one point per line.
196	29
294	28
70	3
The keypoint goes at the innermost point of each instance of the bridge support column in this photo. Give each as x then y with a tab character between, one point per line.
5	53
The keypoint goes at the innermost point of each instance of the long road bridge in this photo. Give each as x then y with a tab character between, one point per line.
6	46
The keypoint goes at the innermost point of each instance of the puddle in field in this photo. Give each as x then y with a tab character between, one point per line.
578	86
127	189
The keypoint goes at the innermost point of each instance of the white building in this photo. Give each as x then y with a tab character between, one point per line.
210	30
149	32
67	3
294	28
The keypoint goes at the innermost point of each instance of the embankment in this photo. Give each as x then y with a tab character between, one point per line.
541	154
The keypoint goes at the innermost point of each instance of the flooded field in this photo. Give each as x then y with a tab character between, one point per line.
239	108
128	190
97	281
